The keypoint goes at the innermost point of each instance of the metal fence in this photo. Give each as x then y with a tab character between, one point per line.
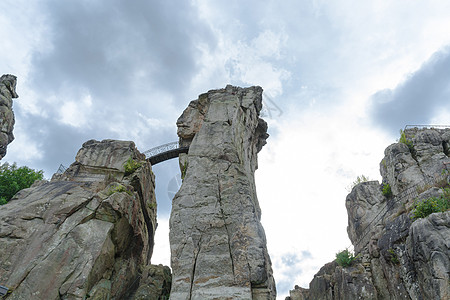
160	149
61	169
427	126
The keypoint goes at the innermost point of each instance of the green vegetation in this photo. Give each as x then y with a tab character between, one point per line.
359	179
131	165
118	189
387	190
431	205
403	139
393	255
345	258
14	179
183	172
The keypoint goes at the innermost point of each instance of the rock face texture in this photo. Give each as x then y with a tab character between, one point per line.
7	93
86	233
398	258
218	245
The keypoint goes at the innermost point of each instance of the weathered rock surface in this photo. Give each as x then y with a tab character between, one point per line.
335	282
298	293
86	233
218	245
155	283
398	258
7	93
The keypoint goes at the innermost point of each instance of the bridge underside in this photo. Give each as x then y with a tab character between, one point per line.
167	155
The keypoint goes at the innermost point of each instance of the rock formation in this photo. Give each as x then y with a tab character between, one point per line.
7	93
397	257
86	233
218	245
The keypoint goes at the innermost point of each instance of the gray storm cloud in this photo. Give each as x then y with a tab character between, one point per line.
112	47
124	56
418	99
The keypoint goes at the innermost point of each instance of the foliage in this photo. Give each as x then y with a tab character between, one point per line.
14	179
393	255
183	171
345	258
431	205
118	189
359	179
387	190
383	162
131	165
403	139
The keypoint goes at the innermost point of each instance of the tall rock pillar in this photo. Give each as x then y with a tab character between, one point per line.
7	93
218	245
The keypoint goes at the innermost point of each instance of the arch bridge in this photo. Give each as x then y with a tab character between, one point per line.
154	155
164	152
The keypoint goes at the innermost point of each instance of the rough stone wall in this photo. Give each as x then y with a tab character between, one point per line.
398	258
7	93
218	245
86	233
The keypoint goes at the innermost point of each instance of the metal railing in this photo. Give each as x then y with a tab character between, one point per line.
427	126
4	290
403	197
161	149
148	154
61	169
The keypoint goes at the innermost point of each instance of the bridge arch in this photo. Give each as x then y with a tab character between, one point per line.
154	155
164	152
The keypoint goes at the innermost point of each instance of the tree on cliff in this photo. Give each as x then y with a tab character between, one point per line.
14	179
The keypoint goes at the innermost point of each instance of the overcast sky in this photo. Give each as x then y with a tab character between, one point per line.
340	79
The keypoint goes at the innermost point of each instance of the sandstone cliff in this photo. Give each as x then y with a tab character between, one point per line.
218	245
398	258
86	233
7	93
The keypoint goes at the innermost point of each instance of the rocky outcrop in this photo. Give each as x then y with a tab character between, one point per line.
334	282
154	284
218	245
397	257
7	93
298	293
86	233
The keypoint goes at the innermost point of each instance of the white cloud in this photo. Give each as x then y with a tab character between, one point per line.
240	60
24	149
76	114
319	61
161	252
301	182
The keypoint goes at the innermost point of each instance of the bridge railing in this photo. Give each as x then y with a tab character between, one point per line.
61	169
403	197
161	149
427	126
148	154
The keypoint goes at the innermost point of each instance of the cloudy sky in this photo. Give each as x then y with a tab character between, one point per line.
340	79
